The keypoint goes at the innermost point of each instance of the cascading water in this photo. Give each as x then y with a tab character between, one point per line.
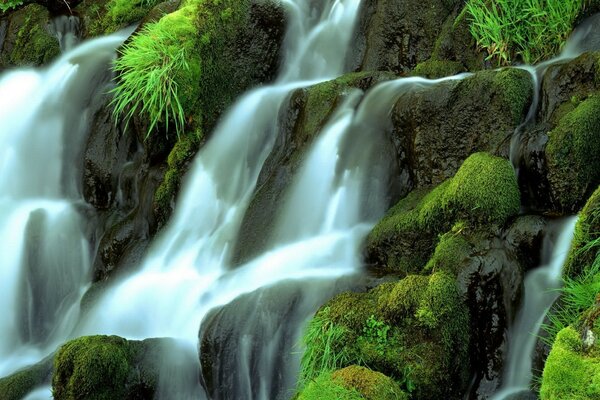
43	241
540	292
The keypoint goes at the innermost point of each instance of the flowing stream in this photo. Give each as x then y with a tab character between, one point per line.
187	279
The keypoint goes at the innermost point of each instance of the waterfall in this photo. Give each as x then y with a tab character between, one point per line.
186	272
45	254
540	292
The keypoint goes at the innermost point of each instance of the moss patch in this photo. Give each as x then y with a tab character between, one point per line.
571	373
587	232
414	331
94	367
434	69
572	155
483	191
324	388
28	41
19	384
370	384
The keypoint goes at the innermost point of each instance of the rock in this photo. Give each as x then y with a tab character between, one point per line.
416	331
19	384
439	126
397	35
353	382
110	367
569	371
557	173
25	38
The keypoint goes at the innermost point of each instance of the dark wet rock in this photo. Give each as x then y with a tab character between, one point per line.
439	126
397	35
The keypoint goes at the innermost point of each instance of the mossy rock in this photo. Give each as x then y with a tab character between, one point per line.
570	372
28	40
436	127
585	247
434	69
483	191
19	384
572	155
353	382
107	367
414	331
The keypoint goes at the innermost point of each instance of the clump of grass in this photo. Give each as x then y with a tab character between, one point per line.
577	295
530	29
149	69
325	350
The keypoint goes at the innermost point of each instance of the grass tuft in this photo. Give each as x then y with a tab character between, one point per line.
532	30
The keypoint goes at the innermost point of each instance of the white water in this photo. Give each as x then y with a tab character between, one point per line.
540	292
45	255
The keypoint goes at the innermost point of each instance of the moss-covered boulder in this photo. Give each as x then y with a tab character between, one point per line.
572	370
353	382
414	331
19	384
484	190
572	155
585	247
108	367
28	40
437	127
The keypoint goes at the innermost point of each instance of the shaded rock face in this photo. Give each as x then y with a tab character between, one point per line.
397	35
491	280
544	165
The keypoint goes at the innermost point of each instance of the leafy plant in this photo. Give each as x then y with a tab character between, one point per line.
530	29
377	330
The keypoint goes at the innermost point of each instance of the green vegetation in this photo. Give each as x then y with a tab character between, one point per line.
124	12
572	154
532	30
6	5
570	371
173	71
19	384
435	69
33	44
154	66
93	368
584	250
350	383
415	331
483	191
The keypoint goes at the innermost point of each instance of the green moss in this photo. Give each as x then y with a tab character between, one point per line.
434	69
9	4
483	191
570	373
174	68
19	384
415	331
370	384
572	155
324	388
587	232
92	368
452	249
179	158
125	12
33	44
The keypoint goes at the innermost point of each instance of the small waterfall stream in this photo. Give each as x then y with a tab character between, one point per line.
43	238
